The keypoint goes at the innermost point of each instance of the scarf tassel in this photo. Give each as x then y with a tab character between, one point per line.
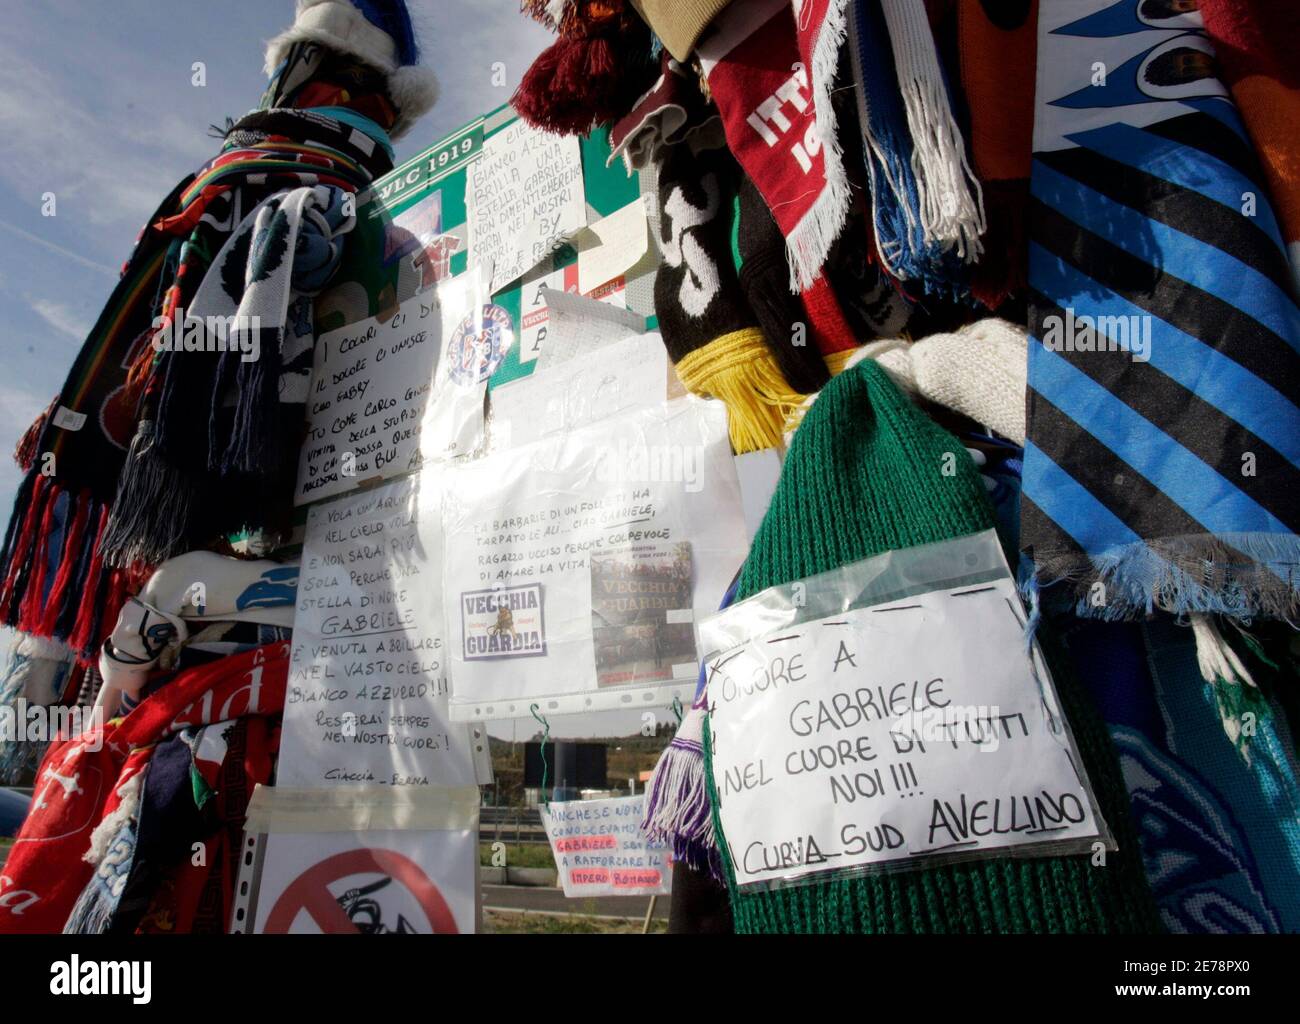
253	447
1182	576
738	369
68	563
677	811
1236	694
951	202
84	638
585	79
154	504
112	851
53	581
29	444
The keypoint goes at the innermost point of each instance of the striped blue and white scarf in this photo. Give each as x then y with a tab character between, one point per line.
1162	467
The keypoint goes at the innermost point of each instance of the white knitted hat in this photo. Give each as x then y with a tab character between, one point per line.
979	371
344	28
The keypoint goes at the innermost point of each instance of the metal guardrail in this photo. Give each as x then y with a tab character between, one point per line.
511	824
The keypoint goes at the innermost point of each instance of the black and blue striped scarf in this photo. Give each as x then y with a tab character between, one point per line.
1162	467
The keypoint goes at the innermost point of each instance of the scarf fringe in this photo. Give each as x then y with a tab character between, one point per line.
809	244
85	631
113	839
101	839
896	215
54	594
253	447
155	504
738	369
92	914
1182	575
677	801
61	586
951	201
1236	693
29	444
677	811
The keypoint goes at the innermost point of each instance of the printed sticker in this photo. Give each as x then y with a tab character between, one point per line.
503	622
477	348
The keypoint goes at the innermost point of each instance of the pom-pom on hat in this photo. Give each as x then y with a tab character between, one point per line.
378	33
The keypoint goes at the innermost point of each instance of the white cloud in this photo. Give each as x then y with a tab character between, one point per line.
54	247
62	319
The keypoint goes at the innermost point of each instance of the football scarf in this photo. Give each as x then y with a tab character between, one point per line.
238	407
1163	453
58	576
779	131
195	795
88	790
712	336
911	245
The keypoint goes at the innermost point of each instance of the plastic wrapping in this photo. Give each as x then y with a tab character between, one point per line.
576	565
889	713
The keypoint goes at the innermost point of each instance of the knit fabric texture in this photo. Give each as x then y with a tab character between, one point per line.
679	23
698	296
711	334
763	275
978	370
865	475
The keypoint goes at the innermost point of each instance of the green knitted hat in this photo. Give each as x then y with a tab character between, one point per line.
868	472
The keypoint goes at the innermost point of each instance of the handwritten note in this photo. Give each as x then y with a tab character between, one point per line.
387	396
367	695
600	849
906	730
524	195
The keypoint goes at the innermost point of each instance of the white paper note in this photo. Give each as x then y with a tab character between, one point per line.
535	315
388	396
366	702
615	378
618	242
893	733
523	196
600	849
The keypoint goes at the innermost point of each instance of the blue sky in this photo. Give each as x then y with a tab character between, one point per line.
97	106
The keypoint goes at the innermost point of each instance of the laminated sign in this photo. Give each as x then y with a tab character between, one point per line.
576	564
887	713
388	395
600	849
369	883
367	697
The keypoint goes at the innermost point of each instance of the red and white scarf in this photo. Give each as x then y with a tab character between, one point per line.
778	116
93	781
